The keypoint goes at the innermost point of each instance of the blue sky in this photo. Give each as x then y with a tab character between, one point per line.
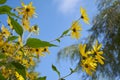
55	16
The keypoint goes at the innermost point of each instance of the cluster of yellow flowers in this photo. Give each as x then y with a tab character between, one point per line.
16	50
27	12
90	58
76	27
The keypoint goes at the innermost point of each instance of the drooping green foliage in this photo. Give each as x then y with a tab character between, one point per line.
106	28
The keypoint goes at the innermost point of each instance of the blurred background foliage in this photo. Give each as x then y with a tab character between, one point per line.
106	29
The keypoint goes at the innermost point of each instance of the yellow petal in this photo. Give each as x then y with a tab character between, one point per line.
82	11
99	47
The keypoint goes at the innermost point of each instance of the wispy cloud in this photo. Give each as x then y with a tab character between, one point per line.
67	6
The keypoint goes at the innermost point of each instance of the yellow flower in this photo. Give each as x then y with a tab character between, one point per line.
31	61
20	41
6	72
9	23
45	49
82	51
5	32
75	28
18	76
89	65
32	75
26	24
1	40
35	29
98	53
84	15
39	52
27	10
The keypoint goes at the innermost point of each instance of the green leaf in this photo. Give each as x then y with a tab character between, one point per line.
56	70
2	77
2	1
20	69
71	70
5	9
65	32
42	78
37	43
2	56
12	38
58	40
18	28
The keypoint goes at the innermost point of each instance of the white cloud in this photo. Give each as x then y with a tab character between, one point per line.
67	6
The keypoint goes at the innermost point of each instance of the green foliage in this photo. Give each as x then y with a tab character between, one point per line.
2	77
58	40
42	78
107	29
2	1
56	70
5	9
2	56
12	38
37	43
65	32
18	28
19	68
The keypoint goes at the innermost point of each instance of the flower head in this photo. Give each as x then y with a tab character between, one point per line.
98	53
35	29
75	28
89	65
82	51
27	10
5	32
84	15
9	23
26	24
18	76
20	41
45	49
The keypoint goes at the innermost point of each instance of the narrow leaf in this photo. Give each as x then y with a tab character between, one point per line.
2	77
42	78
12	38
2	1
2	55
65	32
37	43
20	69
58	40
18	28
56	70
5	9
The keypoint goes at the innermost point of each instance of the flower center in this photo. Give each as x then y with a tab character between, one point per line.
37	50
82	16
74	30
83	57
27	10
95	53
45	49
86	65
35	28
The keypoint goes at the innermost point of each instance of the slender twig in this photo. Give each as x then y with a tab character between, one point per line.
58	38
67	75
